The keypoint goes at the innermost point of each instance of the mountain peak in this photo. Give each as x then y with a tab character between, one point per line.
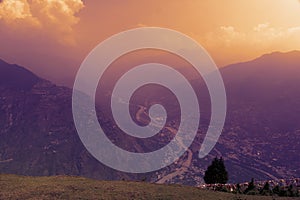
279	54
16	77
283	62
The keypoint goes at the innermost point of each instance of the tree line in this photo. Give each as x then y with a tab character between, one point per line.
216	176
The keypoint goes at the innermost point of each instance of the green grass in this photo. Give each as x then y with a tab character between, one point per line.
66	187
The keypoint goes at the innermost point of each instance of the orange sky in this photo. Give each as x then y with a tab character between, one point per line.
52	37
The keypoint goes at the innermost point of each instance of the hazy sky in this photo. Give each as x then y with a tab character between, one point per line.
52	37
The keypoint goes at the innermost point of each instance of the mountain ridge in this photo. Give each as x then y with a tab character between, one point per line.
253	132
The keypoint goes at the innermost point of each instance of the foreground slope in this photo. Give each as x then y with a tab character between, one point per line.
63	187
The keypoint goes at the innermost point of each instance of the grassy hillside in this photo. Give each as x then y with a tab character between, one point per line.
63	187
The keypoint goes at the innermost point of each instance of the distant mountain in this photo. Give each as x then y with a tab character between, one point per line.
16	77
37	134
260	138
261	135
262	131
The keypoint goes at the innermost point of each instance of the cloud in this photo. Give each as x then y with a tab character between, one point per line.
144	25
230	35
263	35
55	17
12	10
230	44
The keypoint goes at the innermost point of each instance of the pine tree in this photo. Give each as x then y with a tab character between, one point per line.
266	189
251	187
216	172
238	189
276	190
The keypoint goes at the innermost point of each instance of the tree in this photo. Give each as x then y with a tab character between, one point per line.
292	191
251	188
276	190
238	189
266	189
216	172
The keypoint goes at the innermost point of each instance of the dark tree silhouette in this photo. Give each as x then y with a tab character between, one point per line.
276	190
266	189
238	189
251	187
216	172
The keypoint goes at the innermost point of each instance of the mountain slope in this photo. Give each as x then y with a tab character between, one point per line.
16	77
63	187
37	133
260	138
262	130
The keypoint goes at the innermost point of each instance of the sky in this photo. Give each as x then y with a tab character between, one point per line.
52	37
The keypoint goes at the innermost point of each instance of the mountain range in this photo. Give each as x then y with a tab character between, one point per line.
260	139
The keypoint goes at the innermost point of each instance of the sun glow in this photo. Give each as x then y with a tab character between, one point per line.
231	31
